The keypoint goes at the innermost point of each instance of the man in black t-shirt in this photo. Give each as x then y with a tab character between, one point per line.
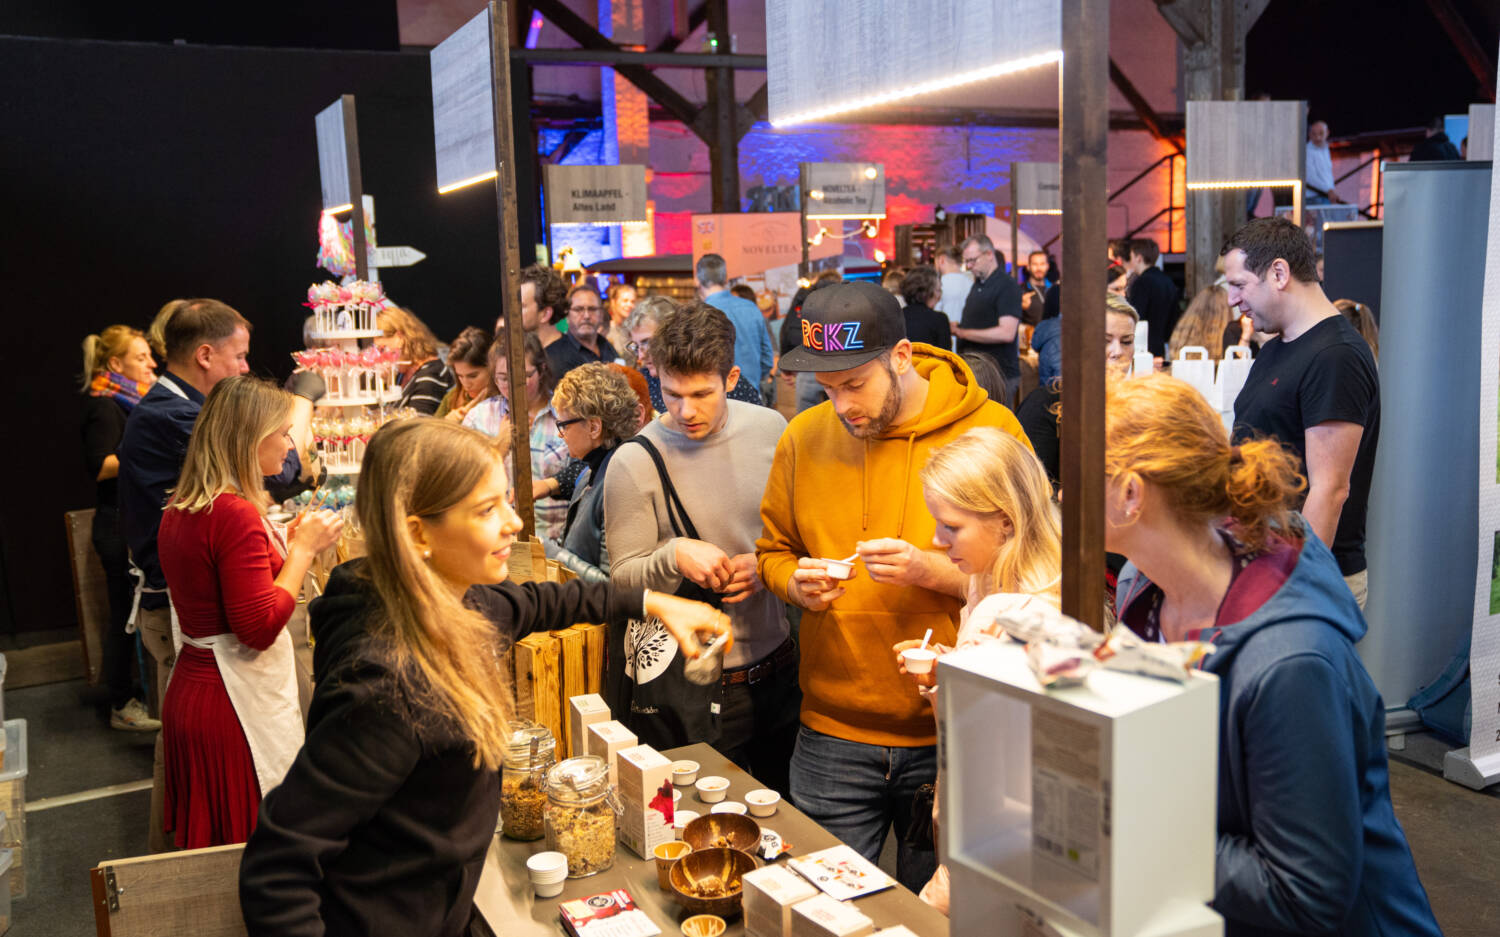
1152	293
1314	386
992	312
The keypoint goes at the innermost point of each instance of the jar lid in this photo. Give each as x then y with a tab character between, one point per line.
521	735
581	774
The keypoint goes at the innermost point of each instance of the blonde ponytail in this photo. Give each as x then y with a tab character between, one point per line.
113	342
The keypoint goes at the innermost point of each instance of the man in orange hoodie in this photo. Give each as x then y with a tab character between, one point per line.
844	480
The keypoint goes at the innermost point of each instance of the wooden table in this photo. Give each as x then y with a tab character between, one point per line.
507	901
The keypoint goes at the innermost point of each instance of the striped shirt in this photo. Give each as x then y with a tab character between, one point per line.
424	390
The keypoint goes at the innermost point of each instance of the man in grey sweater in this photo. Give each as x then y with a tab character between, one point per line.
717	455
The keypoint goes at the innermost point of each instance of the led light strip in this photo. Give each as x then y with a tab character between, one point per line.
454	186
1039	211
812	217
911	91
338	208
1247	184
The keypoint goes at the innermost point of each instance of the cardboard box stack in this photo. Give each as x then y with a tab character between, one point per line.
823	916
770	892
607	740
584	711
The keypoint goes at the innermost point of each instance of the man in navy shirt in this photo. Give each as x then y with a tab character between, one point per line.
992	312
753	353
206	341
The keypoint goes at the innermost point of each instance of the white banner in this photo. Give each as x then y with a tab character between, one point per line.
595	194
845	190
1481	765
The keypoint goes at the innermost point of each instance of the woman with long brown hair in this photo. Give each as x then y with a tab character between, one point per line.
382	823
1202	324
117	372
468	359
1308	841
423	377
232	720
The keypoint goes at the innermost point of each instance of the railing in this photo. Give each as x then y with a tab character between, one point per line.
1171	160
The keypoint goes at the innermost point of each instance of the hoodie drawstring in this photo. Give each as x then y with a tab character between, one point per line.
911	449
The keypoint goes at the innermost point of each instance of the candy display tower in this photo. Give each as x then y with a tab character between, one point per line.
1086	811
361	381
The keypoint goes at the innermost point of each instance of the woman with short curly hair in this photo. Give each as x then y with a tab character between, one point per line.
596	411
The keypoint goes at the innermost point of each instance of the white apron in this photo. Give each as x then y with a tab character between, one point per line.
262	687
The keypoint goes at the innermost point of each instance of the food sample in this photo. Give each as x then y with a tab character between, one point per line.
586	835
522	802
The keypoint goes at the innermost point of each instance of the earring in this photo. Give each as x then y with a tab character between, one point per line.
426	554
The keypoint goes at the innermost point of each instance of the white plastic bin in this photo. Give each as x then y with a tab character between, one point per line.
6	869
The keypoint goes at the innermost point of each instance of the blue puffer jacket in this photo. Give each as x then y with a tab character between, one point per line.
1308	841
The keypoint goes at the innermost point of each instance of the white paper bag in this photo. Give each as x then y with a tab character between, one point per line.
1195	366
1233	371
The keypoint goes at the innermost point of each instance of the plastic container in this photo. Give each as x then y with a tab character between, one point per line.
523	780
581	814
13	803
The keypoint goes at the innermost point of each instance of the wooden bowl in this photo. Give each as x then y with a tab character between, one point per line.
715	830
703	925
728	865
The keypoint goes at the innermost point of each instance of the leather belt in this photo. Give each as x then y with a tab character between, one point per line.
778	659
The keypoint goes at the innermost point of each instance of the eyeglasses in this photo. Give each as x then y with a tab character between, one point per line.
638	348
583	310
971	261
564	424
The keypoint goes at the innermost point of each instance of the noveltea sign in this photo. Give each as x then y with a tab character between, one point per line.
595	194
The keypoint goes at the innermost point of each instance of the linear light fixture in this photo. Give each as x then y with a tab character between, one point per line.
1039	211
472	180
1246	184
338	209
926	87
598	224
811	216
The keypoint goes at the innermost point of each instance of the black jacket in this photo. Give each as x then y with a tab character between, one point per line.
1435	147
1154	296
381	827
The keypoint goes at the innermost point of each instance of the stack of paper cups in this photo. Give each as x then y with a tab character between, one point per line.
1143	363
548	871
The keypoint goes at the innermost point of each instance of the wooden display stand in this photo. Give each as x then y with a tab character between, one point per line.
1087	811
90	594
196	891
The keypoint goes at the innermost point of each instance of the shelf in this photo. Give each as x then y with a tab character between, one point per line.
341	468
348	333
362	400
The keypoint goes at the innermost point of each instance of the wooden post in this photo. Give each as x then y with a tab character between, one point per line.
804	269
510	263
356	190
1085	153
1015	227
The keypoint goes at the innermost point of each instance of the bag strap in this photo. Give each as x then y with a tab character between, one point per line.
677	515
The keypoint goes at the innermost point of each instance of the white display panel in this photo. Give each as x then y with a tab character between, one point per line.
827	57
333	156
463	104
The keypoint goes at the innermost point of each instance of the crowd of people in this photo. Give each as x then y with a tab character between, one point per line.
688	507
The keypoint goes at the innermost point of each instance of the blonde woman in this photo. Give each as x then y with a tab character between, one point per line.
117	371
1202	323
383	821
423	377
997	523
231	720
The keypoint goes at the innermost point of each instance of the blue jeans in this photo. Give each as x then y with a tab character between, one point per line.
857	792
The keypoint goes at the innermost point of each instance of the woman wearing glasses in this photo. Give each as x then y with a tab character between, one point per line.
231	721
641	325
596	411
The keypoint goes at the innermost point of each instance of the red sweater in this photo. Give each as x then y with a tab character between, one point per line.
221	568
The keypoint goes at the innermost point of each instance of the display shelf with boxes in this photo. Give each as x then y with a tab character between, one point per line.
1085	811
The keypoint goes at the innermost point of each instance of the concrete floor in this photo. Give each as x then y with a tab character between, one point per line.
72	750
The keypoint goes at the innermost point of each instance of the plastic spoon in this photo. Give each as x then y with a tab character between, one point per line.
925	638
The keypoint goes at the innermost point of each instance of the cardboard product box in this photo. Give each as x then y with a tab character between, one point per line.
770	892
584	711
900	930
646	791
607	740
823	916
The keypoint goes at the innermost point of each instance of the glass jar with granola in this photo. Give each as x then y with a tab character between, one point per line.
581	813
523	778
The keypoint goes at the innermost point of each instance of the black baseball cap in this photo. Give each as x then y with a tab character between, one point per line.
845	325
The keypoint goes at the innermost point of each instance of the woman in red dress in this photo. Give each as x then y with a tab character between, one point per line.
231	722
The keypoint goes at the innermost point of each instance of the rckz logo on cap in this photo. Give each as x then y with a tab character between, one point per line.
832	336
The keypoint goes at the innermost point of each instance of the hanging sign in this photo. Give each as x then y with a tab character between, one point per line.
463	105
333	155
596	195
845	190
755	242
1038	188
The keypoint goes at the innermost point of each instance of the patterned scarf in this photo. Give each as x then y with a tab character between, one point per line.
126	393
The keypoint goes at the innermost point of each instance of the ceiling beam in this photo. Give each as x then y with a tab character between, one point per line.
1469	48
697	17
1143	108
614	58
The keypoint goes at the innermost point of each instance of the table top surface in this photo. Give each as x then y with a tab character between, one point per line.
507	901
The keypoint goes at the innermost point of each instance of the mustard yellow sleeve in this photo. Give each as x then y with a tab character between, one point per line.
780	543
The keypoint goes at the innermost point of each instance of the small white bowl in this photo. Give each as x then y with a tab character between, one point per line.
548	890
712	789
762	802
684	773
839	569
676	796
680	819
918	660
728	806
544	865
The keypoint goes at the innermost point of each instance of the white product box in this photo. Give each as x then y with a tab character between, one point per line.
607	740
900	930
1087	810
646	792
769	894
823	916
584	711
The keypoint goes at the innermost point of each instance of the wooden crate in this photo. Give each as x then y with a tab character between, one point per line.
194	893
90	593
